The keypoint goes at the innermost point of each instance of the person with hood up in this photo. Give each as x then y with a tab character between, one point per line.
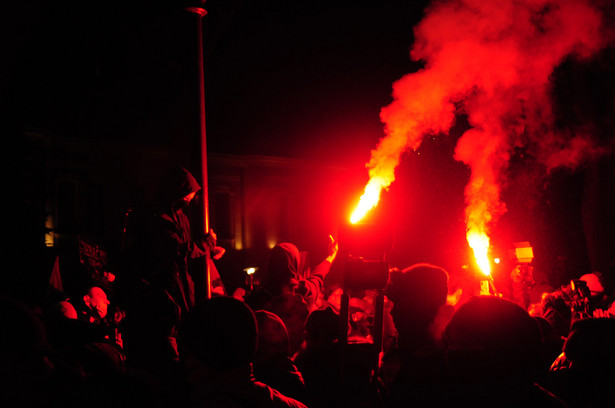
283	276
286	293
165	245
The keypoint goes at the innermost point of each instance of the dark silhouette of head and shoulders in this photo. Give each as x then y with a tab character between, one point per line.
217	343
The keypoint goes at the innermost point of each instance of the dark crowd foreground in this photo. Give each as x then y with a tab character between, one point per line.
294	338
277	346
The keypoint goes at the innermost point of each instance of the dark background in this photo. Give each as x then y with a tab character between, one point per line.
297	79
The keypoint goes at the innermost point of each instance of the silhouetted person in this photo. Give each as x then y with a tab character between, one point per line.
494	355
79	335
272	363
320	362
159	258
25	369
583	375
552	345
217	342
600	295
286	293
360	321
150	341
32	372
562	307
555	308
118	389
417	363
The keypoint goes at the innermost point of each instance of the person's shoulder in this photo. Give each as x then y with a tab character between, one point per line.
160	220
276	398
257	299
288	304
541	397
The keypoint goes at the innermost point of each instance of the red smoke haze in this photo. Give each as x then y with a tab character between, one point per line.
491	60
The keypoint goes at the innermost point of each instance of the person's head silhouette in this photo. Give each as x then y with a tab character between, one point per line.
218	334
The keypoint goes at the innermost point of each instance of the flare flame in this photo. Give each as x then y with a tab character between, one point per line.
479	242
368	200
491	60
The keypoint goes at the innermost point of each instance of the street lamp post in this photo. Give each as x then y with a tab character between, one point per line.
199	12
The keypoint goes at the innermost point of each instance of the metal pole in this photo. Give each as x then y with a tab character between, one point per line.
199	13
378	329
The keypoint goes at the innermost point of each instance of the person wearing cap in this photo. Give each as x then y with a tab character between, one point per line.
414	368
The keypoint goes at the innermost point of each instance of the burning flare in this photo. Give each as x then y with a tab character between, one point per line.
479	242
368	200
491	60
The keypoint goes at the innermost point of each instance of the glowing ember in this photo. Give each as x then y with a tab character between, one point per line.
479	242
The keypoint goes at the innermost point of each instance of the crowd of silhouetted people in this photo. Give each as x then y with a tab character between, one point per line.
280	345
297	339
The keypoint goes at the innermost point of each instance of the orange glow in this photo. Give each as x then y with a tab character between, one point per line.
368	200
453	299
479	242
49	235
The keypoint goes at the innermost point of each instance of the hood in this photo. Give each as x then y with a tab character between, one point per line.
283	266
176	184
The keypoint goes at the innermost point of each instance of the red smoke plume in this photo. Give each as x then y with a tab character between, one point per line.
492	60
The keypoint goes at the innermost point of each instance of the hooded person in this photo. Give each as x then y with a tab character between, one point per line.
283	276
165	245
272	362
286	293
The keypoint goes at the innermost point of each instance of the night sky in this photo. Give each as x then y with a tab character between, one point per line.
298	79
294	79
